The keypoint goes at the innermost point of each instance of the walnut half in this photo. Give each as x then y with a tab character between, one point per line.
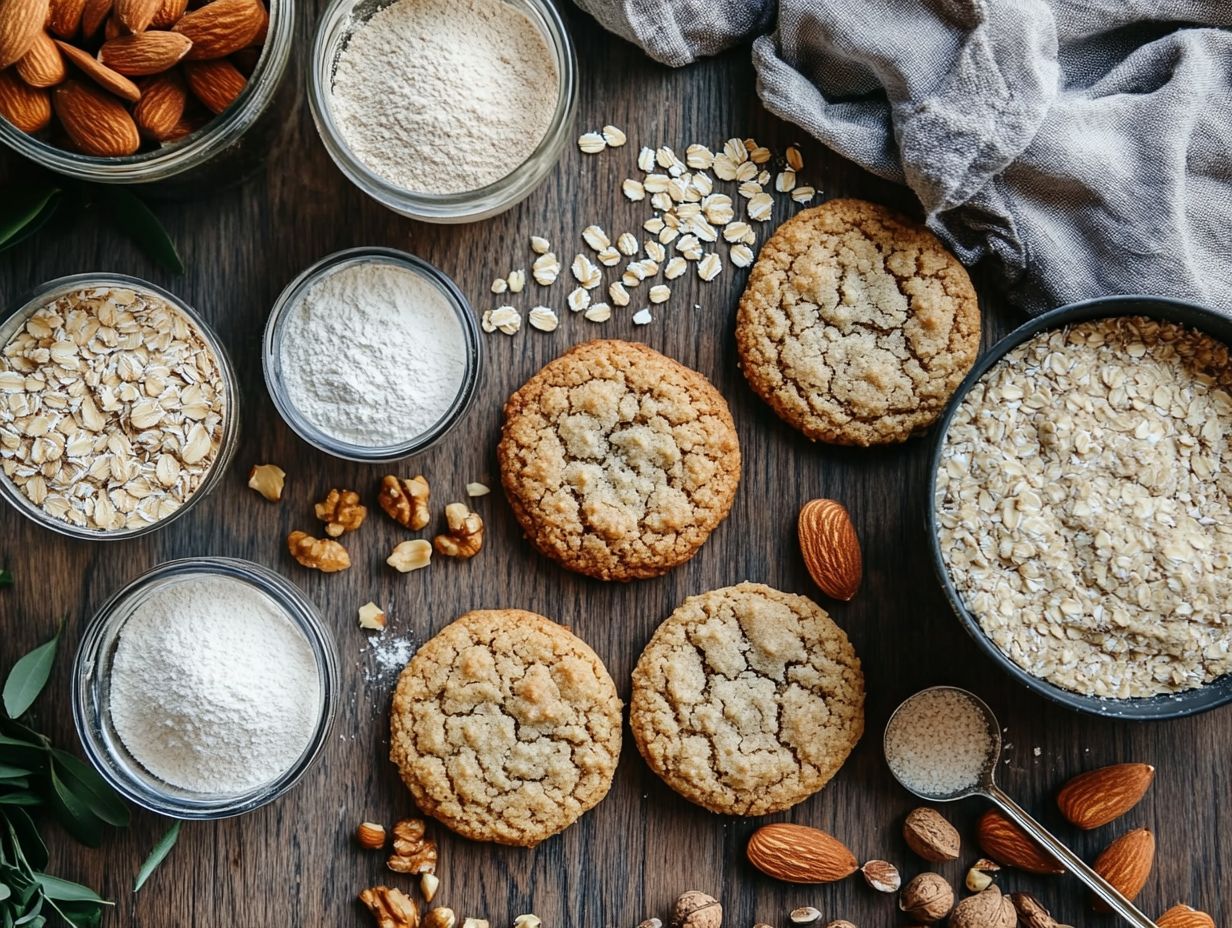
341	512
391	908
322	554
405	501
465	536
413	853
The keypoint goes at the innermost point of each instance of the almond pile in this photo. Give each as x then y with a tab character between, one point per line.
105	77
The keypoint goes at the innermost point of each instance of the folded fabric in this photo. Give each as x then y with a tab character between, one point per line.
1084	148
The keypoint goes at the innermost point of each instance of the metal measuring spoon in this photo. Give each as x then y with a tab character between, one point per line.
987	787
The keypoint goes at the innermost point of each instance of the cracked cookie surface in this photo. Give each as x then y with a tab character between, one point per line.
747	700
505	727
618	461
856	325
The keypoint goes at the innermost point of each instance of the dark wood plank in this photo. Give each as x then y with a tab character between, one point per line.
294	864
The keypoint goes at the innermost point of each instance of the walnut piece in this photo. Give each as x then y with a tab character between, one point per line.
268	480
341	511
410	555
440	917
371	617
405	501
465	536
391	908
413	853
322	554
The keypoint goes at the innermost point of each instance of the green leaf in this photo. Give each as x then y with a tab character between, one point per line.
9	773
26	837
19	798
59	890
22	205
6	578
157	855
138	222
76	817
83	780
5	892
28	677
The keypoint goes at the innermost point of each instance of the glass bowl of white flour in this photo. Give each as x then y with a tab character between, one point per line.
444	110
372	355
205	688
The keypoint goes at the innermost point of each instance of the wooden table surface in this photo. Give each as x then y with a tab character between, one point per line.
294	863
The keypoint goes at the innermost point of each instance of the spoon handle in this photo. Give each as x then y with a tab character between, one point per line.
1097	884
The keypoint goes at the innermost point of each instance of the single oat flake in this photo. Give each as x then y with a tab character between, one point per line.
543	319
591	143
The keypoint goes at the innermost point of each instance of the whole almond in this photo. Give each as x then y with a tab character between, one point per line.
1126	863
158	112
830	547
136	15
188	124
93	17
221	27
42	65
169	14
1010	846
144	53
1098	797
110	80
97	122
798	854
64	17
927	832
1182	916
28	108
215	83
21	23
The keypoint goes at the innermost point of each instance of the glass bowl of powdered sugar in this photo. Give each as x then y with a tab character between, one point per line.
205	688
444	110
372	355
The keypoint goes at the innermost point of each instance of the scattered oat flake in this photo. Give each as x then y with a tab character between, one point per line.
803	194
371	617
608	257
642	317
578	299
736	150
585	272
794	159
477	489
546	269
699	157
591	143
724	168
785	182
646	160
746	171
516	280
709	267
633	190
600	312
665	157
654	225
540	245
760	207
506	319
500	285
741	255
749	189
543	318
759	154
656	183
702	183
661	201
675	267
734	231
668	234
595	237
763	178
614	137
656	251
627	243
618	293
660	293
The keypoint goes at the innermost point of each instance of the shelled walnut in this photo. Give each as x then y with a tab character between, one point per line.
321	554
465	537
268	480
391	908
405	501
413	853
341	511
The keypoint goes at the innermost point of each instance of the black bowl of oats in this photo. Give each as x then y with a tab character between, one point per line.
1081	513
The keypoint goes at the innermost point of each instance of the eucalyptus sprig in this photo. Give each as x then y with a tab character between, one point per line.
37	777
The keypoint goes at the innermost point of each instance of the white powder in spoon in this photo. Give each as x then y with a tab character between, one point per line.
445	96
213	690
373	354
938	743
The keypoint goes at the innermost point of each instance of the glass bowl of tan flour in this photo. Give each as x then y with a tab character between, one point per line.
444	110
205	688
1081	514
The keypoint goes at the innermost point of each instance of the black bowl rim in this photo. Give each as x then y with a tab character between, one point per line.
1165	706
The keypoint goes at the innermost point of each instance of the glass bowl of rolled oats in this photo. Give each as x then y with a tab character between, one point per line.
1081	513
118	407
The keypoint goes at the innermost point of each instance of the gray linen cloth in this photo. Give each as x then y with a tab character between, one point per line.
1085	148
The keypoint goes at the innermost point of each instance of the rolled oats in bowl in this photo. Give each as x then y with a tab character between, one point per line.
1083	506
117	407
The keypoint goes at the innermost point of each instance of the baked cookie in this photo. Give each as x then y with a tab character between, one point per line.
505	727
856	324
618	462
747	700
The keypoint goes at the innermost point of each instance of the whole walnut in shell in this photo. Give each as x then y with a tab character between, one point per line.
988	909
928	898
697	910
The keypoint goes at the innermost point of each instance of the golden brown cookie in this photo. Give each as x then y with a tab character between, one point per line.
618	462
747	700
505	727
856	324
